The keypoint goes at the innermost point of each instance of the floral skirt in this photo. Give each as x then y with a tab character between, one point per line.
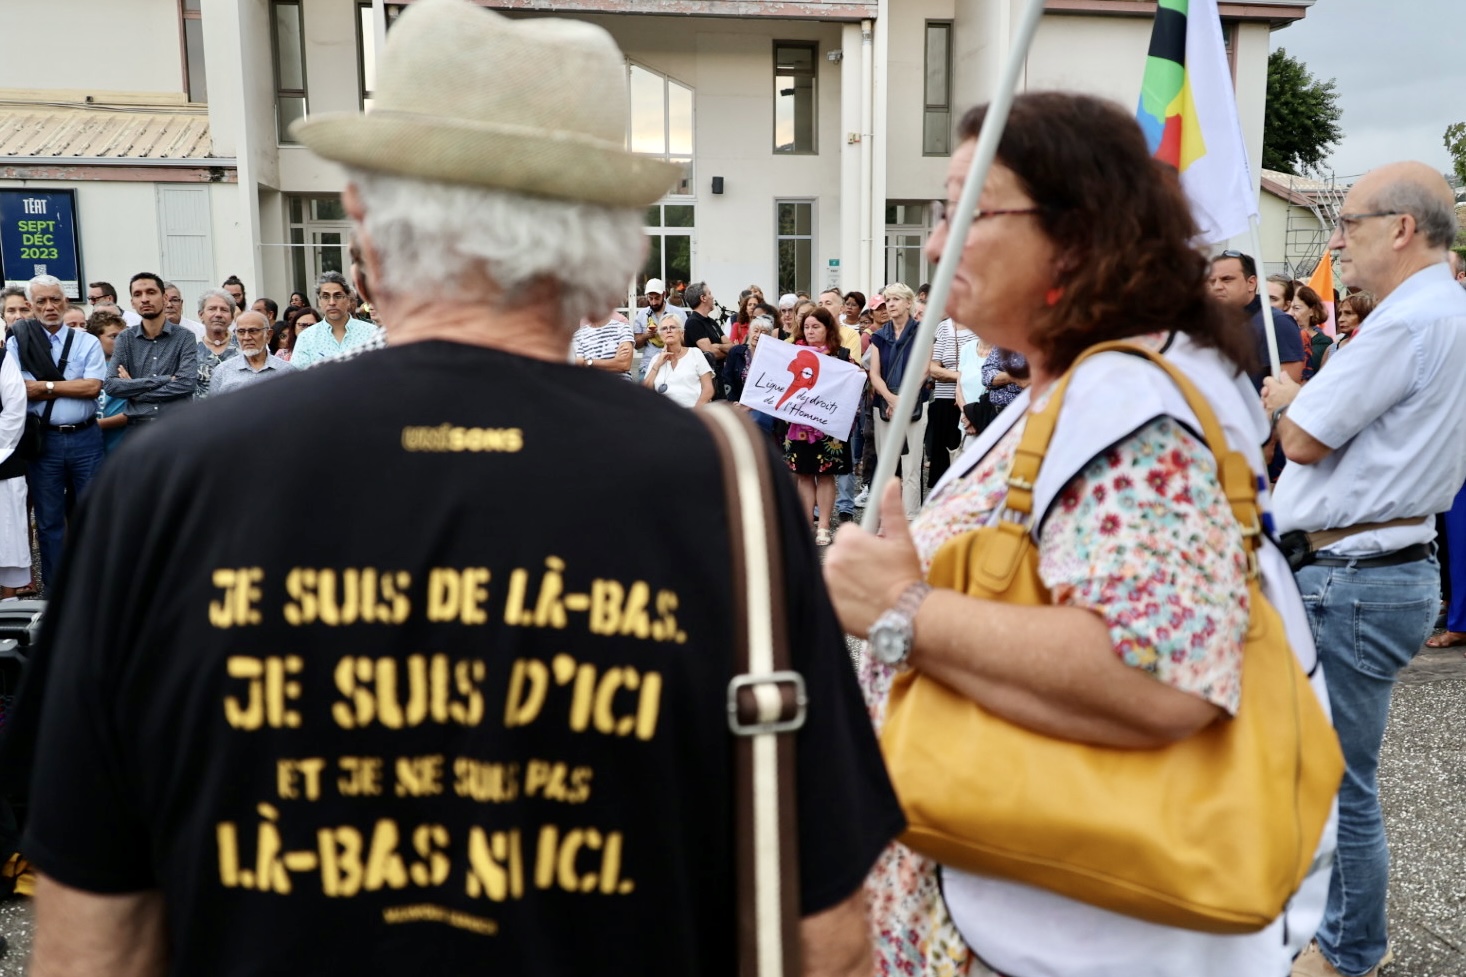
824	457
910	928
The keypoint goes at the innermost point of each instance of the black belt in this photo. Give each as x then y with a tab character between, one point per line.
1409	554
73	428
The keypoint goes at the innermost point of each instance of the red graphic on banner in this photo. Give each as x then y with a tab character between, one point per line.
806	369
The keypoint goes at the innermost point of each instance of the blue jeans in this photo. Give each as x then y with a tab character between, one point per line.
67	464
845	484
1368	623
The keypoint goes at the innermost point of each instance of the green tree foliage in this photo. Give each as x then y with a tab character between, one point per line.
1456	146
1301	123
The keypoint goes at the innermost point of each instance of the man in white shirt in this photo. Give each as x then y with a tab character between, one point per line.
173	310
1378	446
105	293
606	346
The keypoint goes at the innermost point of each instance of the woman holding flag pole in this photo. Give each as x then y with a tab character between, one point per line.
1139	643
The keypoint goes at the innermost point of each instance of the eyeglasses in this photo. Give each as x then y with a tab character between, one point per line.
1351	222
255	331
940	209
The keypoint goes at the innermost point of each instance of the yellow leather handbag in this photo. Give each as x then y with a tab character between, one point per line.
1212	833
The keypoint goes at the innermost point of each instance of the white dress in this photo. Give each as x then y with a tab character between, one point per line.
15	540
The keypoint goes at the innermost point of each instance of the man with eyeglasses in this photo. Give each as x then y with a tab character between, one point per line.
235	288
105	293
1234	282
1378	446
173	310
63	370
339	333
254	363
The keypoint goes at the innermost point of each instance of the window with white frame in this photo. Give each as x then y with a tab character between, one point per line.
320	236
366	47
794	245
195	80
908	225
290	97
795	70
661	126
936	126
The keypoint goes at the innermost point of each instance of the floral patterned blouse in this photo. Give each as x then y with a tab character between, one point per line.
1143	537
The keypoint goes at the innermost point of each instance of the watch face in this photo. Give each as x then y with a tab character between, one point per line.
887	642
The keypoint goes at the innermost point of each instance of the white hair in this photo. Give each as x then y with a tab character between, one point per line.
30	286
441	240
214	293
896	290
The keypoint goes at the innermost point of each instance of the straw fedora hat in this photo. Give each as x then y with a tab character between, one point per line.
465	95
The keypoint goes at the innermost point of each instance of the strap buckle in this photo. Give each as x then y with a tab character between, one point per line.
771	703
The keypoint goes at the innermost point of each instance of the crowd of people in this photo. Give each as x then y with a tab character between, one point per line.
88	376
465	716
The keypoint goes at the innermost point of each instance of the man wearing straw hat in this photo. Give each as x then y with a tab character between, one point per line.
448	718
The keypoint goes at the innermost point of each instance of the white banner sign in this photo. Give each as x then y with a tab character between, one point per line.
804	386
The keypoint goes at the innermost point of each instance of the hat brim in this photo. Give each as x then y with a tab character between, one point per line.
563	166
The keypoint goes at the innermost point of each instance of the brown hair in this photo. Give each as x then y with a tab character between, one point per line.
1317	314
1288	285
99	320
1361	302
832	331
1122	227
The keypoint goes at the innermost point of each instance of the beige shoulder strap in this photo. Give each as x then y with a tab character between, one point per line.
766	702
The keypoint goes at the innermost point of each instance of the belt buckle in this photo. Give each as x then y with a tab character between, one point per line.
752	718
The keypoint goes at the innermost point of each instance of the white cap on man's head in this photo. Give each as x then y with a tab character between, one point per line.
788	300
654	286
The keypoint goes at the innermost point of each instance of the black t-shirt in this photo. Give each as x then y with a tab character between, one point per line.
399	686
699	326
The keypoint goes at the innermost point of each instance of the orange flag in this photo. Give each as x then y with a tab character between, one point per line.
1322	282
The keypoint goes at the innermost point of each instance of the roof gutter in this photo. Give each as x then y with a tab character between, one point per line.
206	162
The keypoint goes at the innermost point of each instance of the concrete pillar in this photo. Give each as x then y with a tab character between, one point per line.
853	83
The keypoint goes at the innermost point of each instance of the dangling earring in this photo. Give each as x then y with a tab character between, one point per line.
1052	296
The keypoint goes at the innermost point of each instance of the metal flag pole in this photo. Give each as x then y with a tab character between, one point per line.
936	304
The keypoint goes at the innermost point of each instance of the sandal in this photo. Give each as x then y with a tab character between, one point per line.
1446	639
822	537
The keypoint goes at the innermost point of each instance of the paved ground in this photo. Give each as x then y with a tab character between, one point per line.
1422	788
1423	792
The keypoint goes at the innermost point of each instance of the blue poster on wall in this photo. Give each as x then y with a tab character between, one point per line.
38	236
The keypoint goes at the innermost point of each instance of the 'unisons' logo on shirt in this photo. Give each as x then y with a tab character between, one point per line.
447	437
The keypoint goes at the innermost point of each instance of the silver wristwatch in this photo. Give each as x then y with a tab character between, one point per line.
891	636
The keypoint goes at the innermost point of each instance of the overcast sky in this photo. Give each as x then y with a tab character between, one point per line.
1401	72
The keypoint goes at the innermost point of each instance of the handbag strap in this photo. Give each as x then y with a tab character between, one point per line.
1235	475
766	700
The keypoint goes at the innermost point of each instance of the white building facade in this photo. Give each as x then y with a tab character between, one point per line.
815	133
